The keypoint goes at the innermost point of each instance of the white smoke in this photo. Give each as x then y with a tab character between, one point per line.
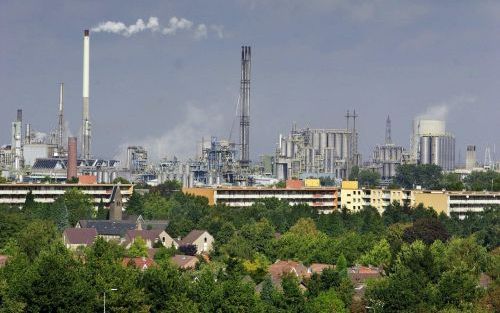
219	30
175	24
180	141
201	32
441	110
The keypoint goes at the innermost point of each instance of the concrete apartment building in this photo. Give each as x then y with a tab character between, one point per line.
456	202
15	194
354	198
325	199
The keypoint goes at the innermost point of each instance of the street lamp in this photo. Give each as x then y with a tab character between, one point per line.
112	289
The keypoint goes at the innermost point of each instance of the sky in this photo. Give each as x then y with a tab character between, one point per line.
171	80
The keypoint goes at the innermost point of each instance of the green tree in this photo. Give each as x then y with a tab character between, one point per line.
326	302
36	236
138	248
120	180
52	283
428	176
293	299
452	181
135	204
368	178
427	230
79	205
479	181
155	206
379	255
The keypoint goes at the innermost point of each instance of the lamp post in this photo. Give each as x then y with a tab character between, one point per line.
112	289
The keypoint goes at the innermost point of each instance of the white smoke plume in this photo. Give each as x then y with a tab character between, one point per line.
440	111
175	25
201	32
180	141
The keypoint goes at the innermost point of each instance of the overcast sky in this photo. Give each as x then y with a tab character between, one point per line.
167	84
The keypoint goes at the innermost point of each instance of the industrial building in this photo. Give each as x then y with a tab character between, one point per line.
324	199
438	150
15	194
137	159
470	158
388	156
313	152
431	144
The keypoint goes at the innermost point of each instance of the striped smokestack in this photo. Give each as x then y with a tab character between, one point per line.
86	126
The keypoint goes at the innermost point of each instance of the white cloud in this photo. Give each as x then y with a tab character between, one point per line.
176	24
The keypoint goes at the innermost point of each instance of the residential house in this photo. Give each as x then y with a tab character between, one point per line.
117	229
141	263
185	261
150	237
73	238
359	275
200	238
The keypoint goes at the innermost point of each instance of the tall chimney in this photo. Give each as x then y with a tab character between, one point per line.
245	106
86	126
60	128
71	165
27	135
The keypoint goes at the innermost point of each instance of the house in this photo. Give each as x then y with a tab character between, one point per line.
280	268
200	238
108	229
185	261
3	260
73	238
318	268
141	263
150	237
359	275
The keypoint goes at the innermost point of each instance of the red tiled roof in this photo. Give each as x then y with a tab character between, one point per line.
80	236
283	267
140	263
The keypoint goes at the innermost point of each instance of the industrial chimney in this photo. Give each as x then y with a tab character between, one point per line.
60	127
245	106
71	165
86	126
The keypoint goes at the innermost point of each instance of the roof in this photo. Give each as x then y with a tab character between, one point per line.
359	274
80	236
151	235
109	227
141	263
184	261
485	280
3	260
191	237
283	267
319	267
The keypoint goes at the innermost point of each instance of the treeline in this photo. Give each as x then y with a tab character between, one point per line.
432	262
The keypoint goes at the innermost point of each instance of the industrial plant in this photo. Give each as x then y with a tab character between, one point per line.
323	151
